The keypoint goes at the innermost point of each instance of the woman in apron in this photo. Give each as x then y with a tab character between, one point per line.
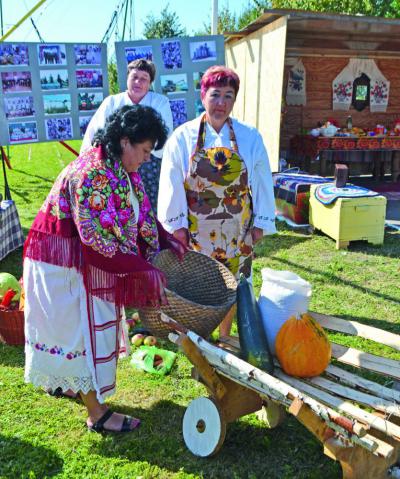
216	193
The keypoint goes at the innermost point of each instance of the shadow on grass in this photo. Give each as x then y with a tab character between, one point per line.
22	459
249	451
12	263
272	244
332	277
43	178
12	356
390	247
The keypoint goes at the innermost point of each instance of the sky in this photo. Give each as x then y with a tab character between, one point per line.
88	20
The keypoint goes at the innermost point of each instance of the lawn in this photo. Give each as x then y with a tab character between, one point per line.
43	437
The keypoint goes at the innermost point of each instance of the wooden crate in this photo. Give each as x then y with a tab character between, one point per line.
349	219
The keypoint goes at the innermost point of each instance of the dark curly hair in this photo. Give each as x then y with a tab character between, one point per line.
137	123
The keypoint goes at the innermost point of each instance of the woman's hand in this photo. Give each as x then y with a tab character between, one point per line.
182	235
256	234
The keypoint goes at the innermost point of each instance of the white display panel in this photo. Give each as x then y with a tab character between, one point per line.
49	91
180	64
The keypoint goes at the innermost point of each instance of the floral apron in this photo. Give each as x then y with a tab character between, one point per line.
219	204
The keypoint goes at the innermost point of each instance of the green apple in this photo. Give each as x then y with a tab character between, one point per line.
150	341
137	339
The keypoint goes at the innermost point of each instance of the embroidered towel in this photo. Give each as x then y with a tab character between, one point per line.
342	85
296	87
327	194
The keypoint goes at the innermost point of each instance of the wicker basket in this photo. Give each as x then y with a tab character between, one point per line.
12	327
200	292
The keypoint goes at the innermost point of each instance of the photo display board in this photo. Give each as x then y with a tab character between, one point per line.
50	91
180	63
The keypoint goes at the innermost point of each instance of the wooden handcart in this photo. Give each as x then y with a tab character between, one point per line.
356	419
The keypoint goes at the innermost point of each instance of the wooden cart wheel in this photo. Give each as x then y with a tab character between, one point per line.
203	427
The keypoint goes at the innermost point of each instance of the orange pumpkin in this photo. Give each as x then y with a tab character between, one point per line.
302	347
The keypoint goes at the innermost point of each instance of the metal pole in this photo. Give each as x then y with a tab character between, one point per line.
132	15
214	17
3	37
125	17
1	14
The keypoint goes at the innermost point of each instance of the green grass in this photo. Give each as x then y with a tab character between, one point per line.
41	436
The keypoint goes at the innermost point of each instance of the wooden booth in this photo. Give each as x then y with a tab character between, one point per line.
302	73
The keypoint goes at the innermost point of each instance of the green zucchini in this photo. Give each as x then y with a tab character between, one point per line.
252	337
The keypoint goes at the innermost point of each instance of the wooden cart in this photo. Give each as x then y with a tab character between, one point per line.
357	420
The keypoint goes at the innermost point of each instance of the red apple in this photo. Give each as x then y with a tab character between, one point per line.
150	341
137	339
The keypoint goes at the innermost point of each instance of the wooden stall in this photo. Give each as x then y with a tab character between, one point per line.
266	50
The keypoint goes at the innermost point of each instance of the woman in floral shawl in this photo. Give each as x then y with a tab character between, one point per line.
86	257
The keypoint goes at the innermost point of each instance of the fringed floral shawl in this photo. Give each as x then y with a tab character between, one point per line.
87	222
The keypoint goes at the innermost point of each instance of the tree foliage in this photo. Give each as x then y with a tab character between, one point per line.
378	8
113	77
167	25
227	22
252	12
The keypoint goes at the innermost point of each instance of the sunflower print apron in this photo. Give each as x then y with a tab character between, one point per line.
219	204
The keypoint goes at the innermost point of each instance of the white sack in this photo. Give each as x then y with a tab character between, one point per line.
283	294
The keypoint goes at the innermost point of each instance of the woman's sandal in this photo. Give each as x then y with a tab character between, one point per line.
58	393
98	426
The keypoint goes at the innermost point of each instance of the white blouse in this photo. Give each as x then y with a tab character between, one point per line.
159	102
172	203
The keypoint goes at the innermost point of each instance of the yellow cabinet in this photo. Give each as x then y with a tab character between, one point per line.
349	219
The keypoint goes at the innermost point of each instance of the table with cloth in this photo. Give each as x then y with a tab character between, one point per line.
305	149
11	236
292	194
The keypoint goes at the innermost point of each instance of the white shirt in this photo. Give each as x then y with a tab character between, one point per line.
172	203
159	102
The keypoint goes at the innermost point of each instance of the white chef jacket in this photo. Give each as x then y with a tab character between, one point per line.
159	102
172	204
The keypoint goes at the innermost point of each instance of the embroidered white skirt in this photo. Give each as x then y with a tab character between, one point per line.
70	342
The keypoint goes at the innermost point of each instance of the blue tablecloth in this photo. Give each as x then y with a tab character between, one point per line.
11	236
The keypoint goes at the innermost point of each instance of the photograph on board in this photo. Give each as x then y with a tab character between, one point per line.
197	76
203	51
15	82
174	83
83	124
199	107
87	54
89	78
18	106
56	104
13	54
171	54
22	132
59	128
179	111
52	54
54	79
141	51
89	101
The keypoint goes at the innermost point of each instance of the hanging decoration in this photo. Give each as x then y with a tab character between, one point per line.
296	87
342	85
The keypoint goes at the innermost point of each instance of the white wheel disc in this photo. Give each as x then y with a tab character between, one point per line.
203	429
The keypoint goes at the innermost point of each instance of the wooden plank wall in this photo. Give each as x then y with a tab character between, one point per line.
259	61
320	72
